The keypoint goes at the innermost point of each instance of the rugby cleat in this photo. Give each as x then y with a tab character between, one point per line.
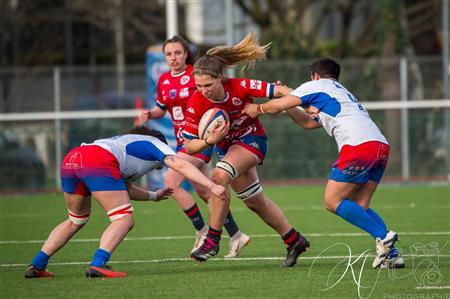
200	237
33	272
206	250
383	247
294	251
103	272
394	260
237	243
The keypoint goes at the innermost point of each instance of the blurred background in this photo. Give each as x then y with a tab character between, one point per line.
73	71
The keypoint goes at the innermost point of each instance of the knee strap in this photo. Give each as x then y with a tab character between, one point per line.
252	190
120	211
230	169
78	219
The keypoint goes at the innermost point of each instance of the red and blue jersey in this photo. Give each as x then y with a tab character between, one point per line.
238	93
174	92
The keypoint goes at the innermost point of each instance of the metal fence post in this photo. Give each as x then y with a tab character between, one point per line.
404	118
58	135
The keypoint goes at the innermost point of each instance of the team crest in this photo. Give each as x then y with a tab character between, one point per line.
173	93
185	79
236	101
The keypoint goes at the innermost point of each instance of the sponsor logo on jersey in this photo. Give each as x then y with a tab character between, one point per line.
177	113
185	79
184	92
173	93
255	84
190	110
243	84
166	82
236	101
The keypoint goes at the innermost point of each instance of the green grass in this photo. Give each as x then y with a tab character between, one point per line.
160	268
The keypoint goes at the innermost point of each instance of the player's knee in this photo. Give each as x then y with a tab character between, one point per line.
78	219
256	203
228	168
250	192
220	178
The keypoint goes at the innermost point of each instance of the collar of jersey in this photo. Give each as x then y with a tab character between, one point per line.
177	75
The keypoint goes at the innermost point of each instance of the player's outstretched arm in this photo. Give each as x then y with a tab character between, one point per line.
273	106
303	119
154	113
140	194
192	173
281	90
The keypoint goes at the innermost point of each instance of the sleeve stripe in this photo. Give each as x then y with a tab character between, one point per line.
189	136
270	90
162	106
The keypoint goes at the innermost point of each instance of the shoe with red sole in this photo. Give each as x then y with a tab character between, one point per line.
33	272
103	272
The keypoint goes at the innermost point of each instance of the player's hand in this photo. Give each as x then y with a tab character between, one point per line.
313	112
219	133
164	193
221	192
251	110
146	115
278	82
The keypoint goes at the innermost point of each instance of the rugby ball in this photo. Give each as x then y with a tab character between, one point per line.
210	120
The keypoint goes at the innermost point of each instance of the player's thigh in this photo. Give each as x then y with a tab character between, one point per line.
109	200
241	158
364	194
335	192
78	204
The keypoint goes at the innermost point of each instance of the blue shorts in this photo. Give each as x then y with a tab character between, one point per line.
258	145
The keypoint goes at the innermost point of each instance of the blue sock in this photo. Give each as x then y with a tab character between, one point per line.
380	221
230	225
356	215
100	258
40	261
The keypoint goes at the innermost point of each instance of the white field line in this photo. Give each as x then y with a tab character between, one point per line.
161	238
433	288
217	259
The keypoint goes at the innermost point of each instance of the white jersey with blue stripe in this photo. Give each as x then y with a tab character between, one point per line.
137	154
340	113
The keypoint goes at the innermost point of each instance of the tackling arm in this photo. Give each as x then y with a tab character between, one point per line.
302	118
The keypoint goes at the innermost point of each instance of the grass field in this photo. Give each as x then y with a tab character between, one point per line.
155	254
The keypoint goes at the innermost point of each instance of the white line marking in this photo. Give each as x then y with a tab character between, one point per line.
159	238
433	288
217	259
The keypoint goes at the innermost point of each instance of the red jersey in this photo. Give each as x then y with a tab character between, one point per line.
174	92
238	93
